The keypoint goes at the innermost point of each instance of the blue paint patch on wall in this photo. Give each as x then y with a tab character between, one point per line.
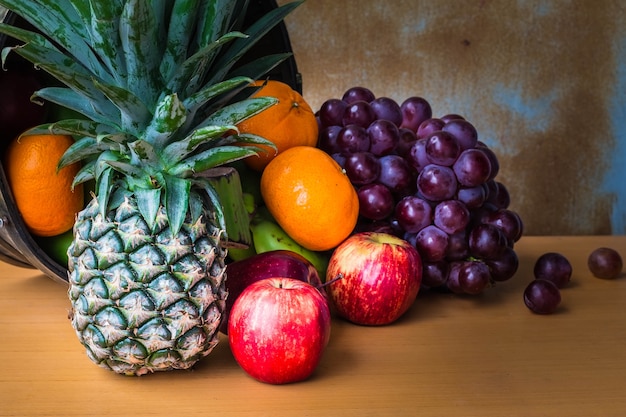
615	179
419	27
544	8
537	112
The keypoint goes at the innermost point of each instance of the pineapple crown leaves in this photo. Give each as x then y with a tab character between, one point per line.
97	50
158	87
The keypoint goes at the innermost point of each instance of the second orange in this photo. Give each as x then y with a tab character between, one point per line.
291	122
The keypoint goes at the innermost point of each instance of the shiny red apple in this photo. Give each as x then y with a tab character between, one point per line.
373	278
279	329
277	263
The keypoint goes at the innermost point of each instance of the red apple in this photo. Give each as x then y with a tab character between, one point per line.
277	263
373	278
278	330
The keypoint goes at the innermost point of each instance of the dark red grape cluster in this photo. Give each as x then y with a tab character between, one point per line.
428	180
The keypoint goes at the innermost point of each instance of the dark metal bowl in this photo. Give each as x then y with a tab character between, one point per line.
19	248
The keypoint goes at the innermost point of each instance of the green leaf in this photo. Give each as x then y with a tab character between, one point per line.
214	198
135	116
169	116
215	20
84	174
235	113
129	170
78	151
177	191
73	127
58	20
141	45
80	103
180	30
148	203
255	32
197	204
177	151
104	183
250	138
101	18
143	154
211	158
257	68
198	99
43	54
191	73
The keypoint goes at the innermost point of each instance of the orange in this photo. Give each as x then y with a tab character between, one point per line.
290	122
43	196
310	197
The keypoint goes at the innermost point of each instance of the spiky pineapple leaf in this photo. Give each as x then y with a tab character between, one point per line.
180	31
58	19
250	138
142	50
74	127
45	55
198	99
85	173
105	177
79	103
177	191
80	150
132	172
196	204
257	68
143	154
255	32
211	158
177	151
148	203
237	112
189	75
101	19
169	115
214	198
215	19
134	115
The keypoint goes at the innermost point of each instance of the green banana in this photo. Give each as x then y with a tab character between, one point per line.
239	254
267	236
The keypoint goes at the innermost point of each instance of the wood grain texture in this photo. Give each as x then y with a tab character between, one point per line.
449	356
543	81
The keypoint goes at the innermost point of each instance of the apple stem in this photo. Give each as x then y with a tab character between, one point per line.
337	278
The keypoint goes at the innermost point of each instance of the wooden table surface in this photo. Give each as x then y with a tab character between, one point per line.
449	356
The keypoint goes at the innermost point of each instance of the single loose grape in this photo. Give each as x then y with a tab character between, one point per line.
553	267
542	296
605	263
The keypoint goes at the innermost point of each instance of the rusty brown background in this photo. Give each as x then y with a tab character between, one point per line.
543	81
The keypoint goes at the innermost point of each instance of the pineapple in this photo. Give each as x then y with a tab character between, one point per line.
161	96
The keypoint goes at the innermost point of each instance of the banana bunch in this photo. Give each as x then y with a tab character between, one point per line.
267	235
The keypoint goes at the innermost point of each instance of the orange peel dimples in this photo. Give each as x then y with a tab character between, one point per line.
310	197
291	122
43	195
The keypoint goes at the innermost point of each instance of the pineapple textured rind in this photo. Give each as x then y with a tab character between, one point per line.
157	304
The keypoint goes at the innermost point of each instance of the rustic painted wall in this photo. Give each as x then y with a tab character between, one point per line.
543	81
